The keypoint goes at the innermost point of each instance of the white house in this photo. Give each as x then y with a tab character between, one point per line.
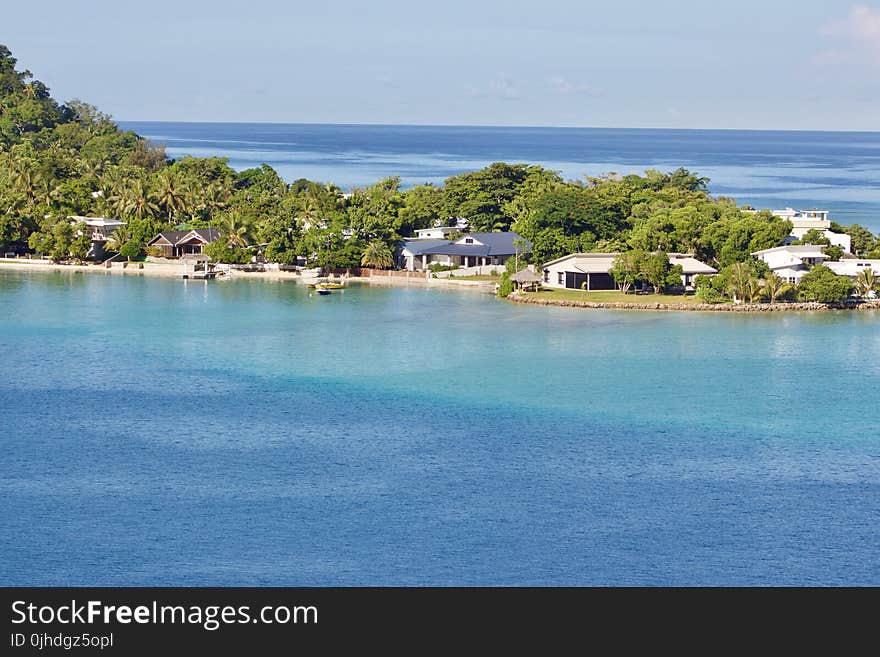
803	221
440	232
853	266
592	271
792	262
469	250
100	229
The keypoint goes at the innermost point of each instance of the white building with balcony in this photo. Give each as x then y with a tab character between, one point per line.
100	229
803	221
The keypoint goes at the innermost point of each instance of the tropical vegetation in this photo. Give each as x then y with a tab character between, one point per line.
59	160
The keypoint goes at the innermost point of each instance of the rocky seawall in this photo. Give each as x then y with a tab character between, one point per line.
712	307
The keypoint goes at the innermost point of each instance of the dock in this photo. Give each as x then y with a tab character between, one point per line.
191	270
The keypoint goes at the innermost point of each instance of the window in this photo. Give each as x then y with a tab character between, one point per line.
546	275
560	278
468	240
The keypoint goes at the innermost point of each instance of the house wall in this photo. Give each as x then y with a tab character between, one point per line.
414	263
852	268
842	240
555	275
781	258
791	275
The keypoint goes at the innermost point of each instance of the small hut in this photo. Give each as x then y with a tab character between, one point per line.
193	260
526	280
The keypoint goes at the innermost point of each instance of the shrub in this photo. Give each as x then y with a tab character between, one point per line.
131	250
708	294
505	287
823	285
221	251
436	266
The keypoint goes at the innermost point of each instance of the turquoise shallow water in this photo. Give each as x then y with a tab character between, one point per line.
242	432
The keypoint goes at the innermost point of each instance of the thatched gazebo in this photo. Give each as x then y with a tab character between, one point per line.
526	279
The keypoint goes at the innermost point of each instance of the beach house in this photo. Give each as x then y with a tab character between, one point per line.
592	271
468	250
791	262
803	221
177	243
99	229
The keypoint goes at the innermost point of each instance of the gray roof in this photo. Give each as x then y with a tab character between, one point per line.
526	276
176	236
491	244
417	247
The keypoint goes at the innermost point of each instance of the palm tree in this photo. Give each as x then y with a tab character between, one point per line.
213	198
738	281
236	230
113	186
170	194
867	282
139	200
117	238
753	289
774	285
377	255
28	183
309	210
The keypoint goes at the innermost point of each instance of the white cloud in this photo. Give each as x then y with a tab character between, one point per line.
503	88
861	26
565	86
852	41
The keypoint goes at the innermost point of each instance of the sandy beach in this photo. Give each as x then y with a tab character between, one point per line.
176	270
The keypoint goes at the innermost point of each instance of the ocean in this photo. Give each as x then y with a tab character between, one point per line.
169	432
837	171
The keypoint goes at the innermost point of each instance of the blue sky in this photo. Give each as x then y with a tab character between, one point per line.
753	64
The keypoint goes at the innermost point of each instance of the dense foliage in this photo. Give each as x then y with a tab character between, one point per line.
59	160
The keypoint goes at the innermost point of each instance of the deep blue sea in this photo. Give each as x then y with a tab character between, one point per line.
160	431
838	171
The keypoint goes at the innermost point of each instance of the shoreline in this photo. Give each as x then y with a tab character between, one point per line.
798	306
175	270
169	270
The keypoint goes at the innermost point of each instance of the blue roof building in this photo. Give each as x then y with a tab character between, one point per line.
469	250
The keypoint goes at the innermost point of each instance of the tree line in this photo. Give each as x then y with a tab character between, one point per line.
58	160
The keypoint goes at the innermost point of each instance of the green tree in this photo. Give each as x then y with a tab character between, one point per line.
774	286
377	255
863	240
754	289
117	238
236	231
867	281
814	236
659	272
171	194
823	285
505	286
223	251
627	269
740	279
833	252
481	196
131	250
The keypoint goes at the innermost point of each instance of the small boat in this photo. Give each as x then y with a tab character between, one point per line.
327	285
323	291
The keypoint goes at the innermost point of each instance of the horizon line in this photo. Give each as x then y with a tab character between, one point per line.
487	125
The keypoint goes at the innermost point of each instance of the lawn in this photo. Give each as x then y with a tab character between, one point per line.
610	296
482	277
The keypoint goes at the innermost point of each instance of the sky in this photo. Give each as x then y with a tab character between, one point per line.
748	64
